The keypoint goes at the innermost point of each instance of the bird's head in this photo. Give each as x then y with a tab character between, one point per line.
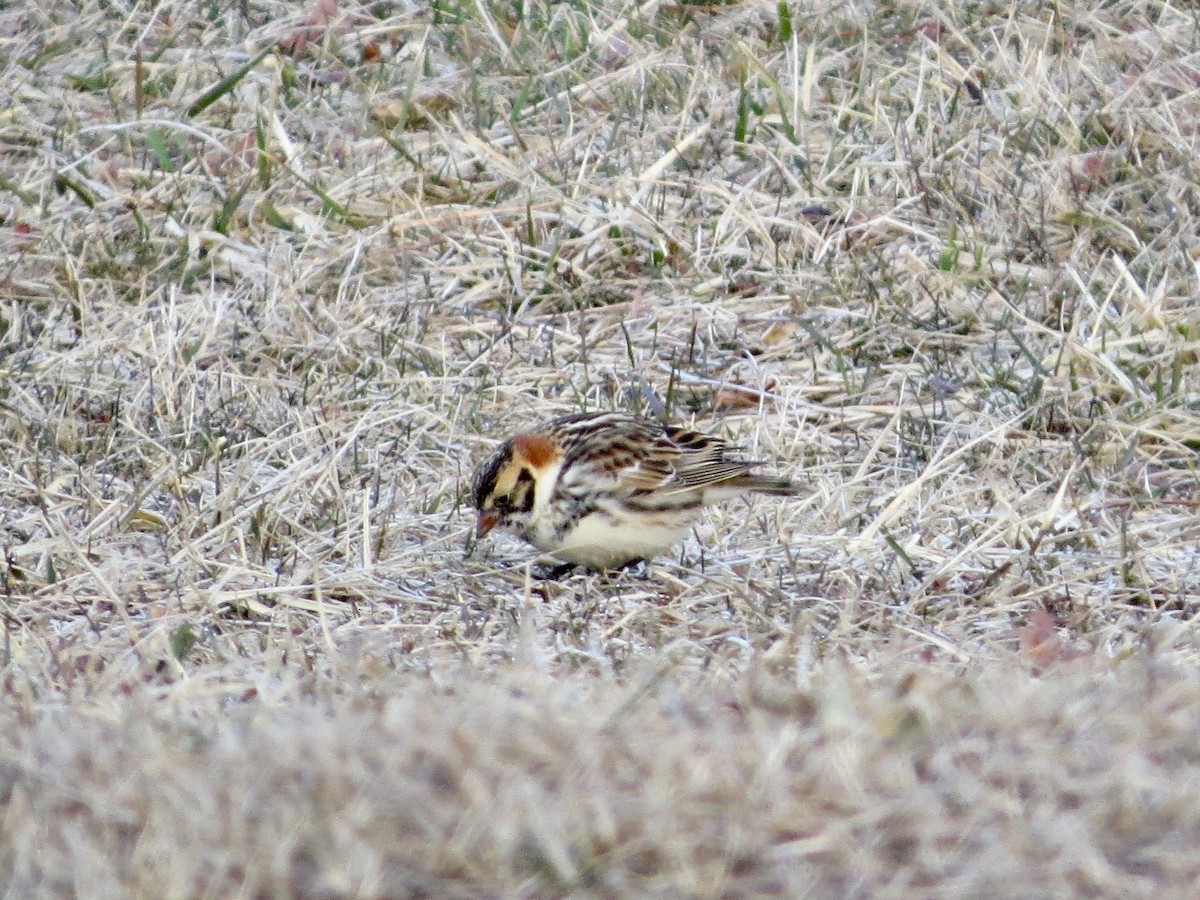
504	489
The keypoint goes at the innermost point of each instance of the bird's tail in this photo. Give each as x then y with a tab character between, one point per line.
769	484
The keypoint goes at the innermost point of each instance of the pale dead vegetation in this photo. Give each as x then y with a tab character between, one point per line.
277	276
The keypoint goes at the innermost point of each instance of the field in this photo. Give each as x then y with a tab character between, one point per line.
277	276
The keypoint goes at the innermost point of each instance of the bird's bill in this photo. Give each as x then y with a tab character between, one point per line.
485	523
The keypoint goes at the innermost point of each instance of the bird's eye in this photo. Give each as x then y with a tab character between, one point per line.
502	503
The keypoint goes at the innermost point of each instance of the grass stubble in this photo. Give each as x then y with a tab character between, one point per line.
276	276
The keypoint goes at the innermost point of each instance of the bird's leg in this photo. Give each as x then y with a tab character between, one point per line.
638	568
551	572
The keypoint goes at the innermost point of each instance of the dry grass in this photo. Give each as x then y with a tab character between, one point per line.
261	314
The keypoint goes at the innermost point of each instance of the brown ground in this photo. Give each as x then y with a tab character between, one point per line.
261	315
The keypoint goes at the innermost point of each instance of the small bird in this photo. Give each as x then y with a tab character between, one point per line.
608	489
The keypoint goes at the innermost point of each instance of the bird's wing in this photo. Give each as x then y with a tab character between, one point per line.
701	460
631	458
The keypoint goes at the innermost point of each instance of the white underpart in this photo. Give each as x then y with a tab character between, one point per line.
543	487
601	541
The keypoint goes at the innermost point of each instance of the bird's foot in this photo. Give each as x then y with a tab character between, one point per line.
546	571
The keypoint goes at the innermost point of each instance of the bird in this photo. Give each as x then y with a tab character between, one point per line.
607	490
